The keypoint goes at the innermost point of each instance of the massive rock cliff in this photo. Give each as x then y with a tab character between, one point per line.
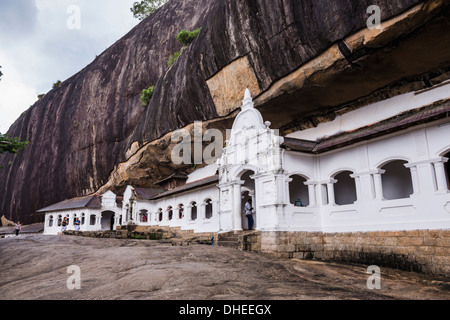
302	60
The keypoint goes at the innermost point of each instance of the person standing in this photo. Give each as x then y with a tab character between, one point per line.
64	224
249	213
77	224
18	228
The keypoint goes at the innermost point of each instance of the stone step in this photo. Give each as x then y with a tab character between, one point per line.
245	240
229	244
231	235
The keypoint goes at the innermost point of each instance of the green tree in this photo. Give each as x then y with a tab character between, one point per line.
11	144
186	37
147	96
143	9
173	58
57	84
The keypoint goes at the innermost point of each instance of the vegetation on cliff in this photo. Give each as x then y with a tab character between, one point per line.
143	9
11	144
185	37
147	95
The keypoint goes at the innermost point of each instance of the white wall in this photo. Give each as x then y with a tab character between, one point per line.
55	229
428	206
199	196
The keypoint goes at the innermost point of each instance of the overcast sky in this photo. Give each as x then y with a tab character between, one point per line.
42	41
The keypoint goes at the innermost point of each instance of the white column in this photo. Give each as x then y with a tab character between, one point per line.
311	193
358	186
415	179
330	190
441	177
287	198
323	194
237	202
378	184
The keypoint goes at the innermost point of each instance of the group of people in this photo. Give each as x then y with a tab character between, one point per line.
65	223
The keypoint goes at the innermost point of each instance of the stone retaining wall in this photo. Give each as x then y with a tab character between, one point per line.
425	251
176	238
119	234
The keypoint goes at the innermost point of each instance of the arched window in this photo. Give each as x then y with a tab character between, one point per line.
143	216
194	210
396	180
447	169
208	209
298	191
344	188
181	211
160	214
93	219
170	212
50	221
83	219
59	221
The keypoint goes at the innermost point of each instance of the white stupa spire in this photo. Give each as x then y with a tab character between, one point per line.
248	101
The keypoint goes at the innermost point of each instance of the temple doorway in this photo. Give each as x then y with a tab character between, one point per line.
248	192
107	220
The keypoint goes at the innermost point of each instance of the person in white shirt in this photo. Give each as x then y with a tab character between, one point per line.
18	228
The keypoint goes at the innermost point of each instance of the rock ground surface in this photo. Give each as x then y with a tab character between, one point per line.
35	267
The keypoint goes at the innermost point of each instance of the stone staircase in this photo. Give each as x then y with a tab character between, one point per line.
242	240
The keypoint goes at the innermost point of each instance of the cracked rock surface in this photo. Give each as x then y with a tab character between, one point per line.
35	267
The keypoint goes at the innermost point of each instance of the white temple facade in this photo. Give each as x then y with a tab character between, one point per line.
353	174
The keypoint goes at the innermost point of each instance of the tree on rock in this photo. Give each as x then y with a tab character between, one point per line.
143	9
11	144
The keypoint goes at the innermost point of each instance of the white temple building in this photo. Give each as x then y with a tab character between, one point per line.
383	167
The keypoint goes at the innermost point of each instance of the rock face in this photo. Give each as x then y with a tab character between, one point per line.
93	132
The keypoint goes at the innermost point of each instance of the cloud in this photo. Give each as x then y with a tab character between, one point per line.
37	47
17	19
15	95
